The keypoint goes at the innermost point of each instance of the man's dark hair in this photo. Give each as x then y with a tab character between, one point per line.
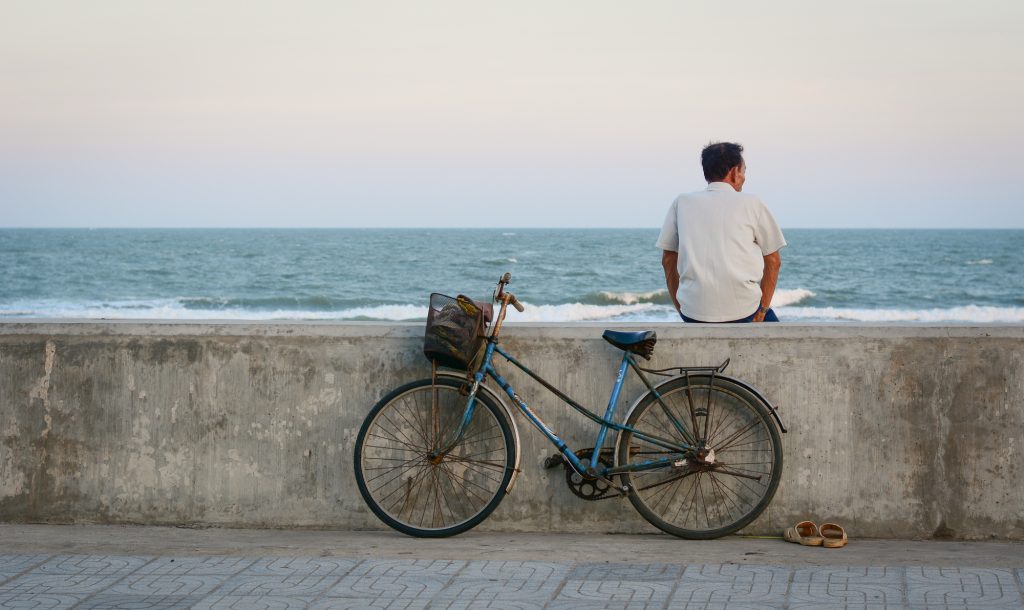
718	158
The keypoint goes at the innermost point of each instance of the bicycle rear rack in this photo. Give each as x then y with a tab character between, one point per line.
672	371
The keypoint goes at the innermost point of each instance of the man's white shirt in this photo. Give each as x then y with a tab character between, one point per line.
722	237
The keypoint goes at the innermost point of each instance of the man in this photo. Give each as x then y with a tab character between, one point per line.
721	246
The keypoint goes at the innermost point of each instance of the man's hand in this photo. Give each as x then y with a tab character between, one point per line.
669	262
772	264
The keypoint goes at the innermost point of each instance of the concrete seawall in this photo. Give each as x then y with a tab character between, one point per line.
895	431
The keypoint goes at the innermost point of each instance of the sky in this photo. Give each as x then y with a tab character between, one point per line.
230	113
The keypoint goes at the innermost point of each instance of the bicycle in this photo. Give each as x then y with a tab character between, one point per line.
698	455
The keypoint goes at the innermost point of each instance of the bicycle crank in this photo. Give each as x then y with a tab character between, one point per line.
591	486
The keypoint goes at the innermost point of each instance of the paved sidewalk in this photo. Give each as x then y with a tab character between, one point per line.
43	566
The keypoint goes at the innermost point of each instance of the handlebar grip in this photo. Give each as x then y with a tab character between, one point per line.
515	303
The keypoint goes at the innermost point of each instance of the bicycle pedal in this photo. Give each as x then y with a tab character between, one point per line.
553	461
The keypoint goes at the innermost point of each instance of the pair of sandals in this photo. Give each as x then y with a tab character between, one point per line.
829	535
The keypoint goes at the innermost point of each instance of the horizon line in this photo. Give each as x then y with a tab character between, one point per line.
489	228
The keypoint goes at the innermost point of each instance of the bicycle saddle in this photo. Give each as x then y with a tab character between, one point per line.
640	343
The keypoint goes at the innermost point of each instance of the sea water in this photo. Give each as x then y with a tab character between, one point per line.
561	275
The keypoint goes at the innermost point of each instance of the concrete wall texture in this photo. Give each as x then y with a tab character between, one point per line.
895	431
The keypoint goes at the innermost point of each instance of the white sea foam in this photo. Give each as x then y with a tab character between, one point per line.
580	312
173	309
967	313
984	261
782	298
632	298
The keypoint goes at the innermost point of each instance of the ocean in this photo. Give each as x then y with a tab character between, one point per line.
561	275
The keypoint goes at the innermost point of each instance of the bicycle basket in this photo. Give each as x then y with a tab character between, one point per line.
455	331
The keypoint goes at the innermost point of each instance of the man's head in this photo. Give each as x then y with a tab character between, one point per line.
723	162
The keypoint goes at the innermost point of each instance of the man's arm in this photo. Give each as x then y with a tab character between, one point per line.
669	262
772	264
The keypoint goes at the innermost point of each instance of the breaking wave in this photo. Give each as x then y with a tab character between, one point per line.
967	313
565	313
782	298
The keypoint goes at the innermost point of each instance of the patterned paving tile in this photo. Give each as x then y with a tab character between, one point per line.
847	587
733	585
12	565
625	571
396	579
585	605
963	587
40	601
728	606
407	567
58	584
526	570
486	581
105	565
197	566
357	603
645	592
118	601
252	602
277	586
842	596
504	604
167	584
850	574
36	581
301	566
390	587
481	589
834	606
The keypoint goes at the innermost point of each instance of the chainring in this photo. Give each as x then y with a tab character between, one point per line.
584	486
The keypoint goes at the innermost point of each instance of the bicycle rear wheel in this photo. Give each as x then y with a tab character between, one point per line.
715	492
445	496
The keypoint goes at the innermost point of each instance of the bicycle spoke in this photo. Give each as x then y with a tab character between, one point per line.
388	469
488	463
487	474
737	474
738	435
395	439
408	441
465	485
689	400
408	485
668	480
398	475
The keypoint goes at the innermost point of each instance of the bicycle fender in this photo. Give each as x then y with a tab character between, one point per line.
508	416
757	394
746	386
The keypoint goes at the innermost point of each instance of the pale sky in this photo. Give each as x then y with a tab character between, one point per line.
436	113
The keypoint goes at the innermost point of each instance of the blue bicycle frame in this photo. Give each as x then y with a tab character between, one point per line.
486	369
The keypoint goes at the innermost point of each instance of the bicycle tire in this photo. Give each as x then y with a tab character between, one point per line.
432	500
697	500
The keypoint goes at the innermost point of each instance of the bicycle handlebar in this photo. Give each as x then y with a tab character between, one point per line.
508	296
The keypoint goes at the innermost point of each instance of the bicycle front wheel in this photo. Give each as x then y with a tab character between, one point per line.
450	493
721	486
